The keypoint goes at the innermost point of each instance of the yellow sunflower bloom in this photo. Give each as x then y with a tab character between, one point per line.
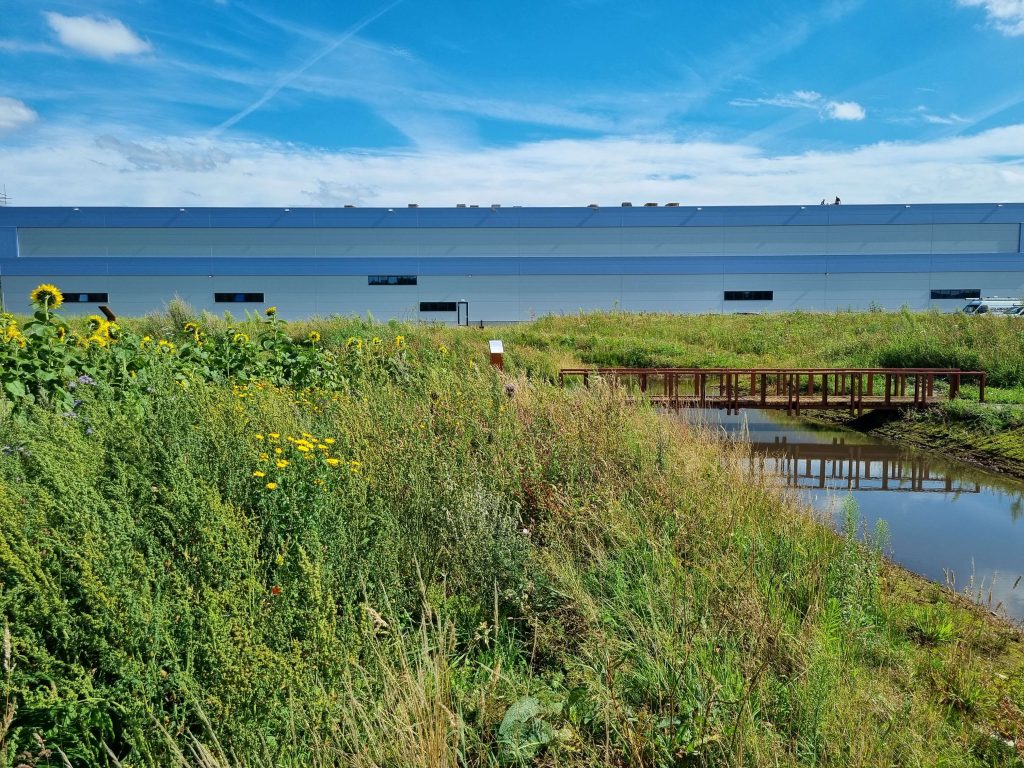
314	337
270	311
47	296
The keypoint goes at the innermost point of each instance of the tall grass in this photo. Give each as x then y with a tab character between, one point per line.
494	572
844	339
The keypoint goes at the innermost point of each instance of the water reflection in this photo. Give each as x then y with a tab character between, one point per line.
947	520
839	465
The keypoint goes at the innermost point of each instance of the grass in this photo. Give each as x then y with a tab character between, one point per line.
495	572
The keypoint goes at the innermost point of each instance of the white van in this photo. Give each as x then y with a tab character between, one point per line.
992	305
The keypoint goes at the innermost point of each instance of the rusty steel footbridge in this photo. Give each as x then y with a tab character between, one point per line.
787	389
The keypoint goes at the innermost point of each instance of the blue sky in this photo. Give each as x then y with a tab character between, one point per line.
564	102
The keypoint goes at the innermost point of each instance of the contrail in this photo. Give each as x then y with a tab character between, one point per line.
273	90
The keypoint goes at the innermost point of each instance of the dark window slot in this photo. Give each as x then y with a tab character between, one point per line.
391	280
956	293
437	306
85	298
749	295
238	298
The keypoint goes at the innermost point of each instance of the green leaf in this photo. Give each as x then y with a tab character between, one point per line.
15	389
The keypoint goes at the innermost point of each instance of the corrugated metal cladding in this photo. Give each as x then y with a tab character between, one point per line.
514	263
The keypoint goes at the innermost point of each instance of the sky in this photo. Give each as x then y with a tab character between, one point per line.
553	102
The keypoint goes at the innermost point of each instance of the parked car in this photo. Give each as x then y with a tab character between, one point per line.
994	305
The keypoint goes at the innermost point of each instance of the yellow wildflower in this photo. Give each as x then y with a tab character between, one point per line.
355	466
303	447
273	435
329	440
272	486
257	473
264	457
281	463
334	462
47	295
259	436
278	451
399	341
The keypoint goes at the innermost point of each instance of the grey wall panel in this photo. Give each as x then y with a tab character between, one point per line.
978	262
287	243
687	306
878	264
975	238
8	245
639	288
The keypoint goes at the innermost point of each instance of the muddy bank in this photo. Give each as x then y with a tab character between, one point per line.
1001	452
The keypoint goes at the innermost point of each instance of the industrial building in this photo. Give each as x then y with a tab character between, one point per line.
501	264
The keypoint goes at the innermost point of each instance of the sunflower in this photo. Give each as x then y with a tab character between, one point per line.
270	311
240	339
48	296
98	339
95	322
191	327
314	337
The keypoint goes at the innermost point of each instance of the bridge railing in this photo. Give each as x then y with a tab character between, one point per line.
786	388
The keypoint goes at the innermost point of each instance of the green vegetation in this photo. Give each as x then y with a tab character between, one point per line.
844	339
216	552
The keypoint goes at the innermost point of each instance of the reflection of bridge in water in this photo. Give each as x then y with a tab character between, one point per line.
856	467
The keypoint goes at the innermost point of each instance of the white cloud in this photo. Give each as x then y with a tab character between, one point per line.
14	114
932	119
98	36
845	110
796	99
832	110
65	167
1005	15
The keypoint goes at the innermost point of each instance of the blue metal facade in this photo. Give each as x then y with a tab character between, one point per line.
516	263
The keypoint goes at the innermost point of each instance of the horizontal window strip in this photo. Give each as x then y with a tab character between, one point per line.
749	295
437	306
956	293
238	298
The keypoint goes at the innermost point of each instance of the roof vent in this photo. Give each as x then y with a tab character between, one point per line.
627	205
593	205
350	206
414	205
495	206
460	205
671	205
473	206
650	205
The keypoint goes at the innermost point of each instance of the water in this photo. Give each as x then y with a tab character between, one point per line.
949	521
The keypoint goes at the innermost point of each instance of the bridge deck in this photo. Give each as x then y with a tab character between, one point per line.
788	389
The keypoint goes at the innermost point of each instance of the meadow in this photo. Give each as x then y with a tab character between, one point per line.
252	543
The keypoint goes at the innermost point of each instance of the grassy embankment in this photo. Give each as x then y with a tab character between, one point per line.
256	548
990	433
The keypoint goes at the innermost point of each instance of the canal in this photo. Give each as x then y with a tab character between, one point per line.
949	521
